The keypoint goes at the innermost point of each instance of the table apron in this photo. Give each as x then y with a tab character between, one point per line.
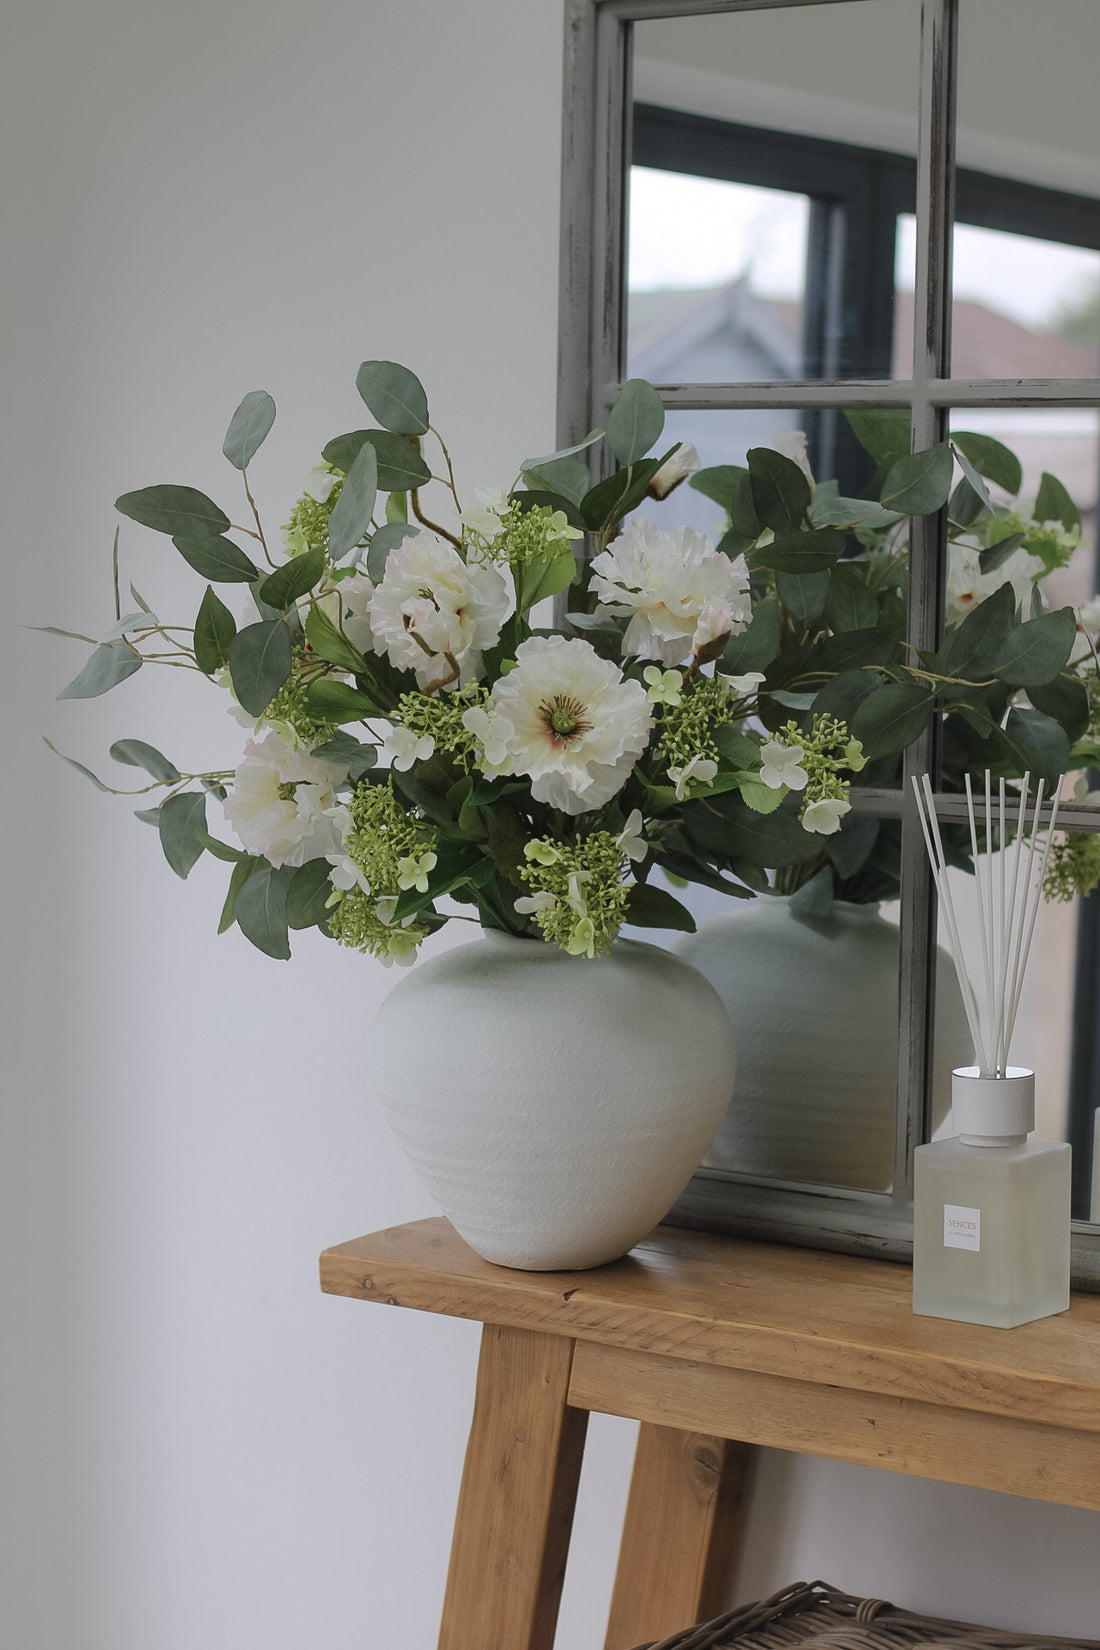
924	1440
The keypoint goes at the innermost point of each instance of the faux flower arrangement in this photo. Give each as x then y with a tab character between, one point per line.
415	737
1013	687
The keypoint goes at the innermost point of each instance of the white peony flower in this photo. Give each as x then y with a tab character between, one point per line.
432	604
781	766
401	748
824	817
701	768
663	581
683	463
280	801
576	726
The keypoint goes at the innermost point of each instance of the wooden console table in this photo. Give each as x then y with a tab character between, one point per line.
715	1345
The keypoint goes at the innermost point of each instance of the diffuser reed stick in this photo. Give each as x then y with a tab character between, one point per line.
1010	860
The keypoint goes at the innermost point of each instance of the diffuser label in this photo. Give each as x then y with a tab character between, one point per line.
962	1227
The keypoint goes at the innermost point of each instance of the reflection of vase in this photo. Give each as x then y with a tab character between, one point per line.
554	1106
814	1005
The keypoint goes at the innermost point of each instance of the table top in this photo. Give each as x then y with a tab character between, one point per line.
835	1320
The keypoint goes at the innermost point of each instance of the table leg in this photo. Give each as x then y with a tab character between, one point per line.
679	1535
519	1486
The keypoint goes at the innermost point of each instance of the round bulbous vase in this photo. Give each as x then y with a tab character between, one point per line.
553	1106
814	1006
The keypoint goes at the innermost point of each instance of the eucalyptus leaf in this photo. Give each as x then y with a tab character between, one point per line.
337	702
1053	503
308	892
395	396
387	538
108	790
890	718
248	428
849	605
844	694
350	520
400	466
793	701
744	521
834	511
735	747
344	751
243	869
261	658
330	644
129	622
179	817
174	510
758	644
919	483
1042	743
780	491
261	910
995	461
570	477
110	664
735	831
148	816
220	850
543	576
137	754
1033	653
294	578
215	628
614	498
974	477
217	559
652	907
883	432
719	482
1066	700
998	553
635	422
564	452
809	551
52	630
803	594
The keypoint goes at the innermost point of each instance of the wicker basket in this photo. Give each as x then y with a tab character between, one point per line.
815	1616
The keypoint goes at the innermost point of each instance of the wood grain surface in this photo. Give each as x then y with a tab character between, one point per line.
831	1319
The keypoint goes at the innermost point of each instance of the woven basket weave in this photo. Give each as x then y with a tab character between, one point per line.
815	1616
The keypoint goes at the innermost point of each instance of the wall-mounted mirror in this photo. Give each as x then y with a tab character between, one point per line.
782	212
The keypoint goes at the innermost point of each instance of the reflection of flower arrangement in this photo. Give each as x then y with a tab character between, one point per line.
415	737
1013	687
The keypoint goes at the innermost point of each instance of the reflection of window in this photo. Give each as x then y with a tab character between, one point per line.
841	341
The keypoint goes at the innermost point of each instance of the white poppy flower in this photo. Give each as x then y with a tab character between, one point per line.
431	605
781	766
577	726
280	803
662	581
401	748
701	768
824	817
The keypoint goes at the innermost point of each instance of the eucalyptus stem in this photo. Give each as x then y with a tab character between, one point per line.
450	468
256	517
435	527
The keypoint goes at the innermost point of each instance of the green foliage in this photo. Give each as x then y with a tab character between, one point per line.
215	628
217	559
395	396
174	510
350	521
180	818
248	428
260	659
110	664
635	422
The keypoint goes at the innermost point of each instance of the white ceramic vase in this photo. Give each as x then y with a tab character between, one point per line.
814	1006
554	1106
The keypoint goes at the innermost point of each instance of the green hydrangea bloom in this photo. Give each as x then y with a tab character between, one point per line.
440	717
524	535
1073	866
307	528
688	727
383	842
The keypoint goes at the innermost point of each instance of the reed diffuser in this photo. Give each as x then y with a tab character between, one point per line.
991	1207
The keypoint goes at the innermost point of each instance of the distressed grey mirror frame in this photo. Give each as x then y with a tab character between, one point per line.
596	151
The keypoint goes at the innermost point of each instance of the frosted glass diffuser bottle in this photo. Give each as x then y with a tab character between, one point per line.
991	1209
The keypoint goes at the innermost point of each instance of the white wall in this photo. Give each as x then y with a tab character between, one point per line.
204	1450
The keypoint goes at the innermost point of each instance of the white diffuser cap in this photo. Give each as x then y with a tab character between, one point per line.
989	1111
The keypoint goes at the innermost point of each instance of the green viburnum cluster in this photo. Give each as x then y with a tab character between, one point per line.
1073	867
522	536
307	528
288	713
439	717
580	891
688	725
388	851
1051	541
824	751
